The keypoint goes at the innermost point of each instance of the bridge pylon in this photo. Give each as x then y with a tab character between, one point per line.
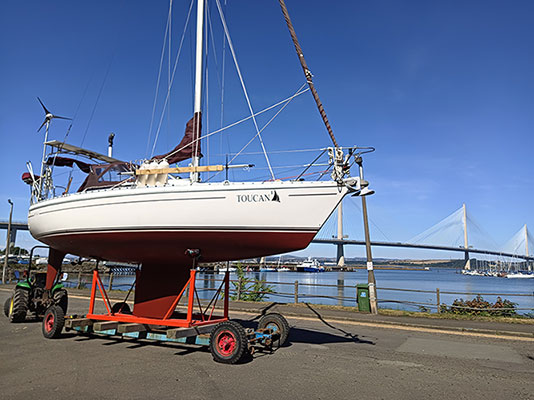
340	248
466	243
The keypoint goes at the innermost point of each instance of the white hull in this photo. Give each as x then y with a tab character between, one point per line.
224	220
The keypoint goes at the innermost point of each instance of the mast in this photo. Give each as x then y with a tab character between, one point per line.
198	87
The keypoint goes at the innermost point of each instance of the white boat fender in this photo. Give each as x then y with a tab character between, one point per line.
161	179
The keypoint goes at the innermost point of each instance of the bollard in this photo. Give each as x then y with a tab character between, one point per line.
110	281
438	301
79	284
296	292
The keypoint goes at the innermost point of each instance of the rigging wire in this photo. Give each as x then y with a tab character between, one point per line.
159	76
240	121
103	82
172	78
206	85
222	86
72	122
272	152
231	47
267	124
169	72
98	96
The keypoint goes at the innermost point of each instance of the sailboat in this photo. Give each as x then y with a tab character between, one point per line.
155	215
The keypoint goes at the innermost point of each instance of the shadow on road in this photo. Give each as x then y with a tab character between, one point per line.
300	335
134	343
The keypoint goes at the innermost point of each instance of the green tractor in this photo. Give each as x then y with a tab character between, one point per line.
31	295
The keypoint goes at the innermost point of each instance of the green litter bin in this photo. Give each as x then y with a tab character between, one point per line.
362	296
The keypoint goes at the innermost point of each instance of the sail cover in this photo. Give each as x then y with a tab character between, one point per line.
188	147
68	162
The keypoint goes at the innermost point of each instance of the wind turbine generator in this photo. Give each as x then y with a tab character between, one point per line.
48	118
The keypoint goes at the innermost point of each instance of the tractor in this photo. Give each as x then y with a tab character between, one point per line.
31	295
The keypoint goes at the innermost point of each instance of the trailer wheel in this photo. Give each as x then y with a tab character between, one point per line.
228	342
20	305
121	307
61	299
8	306
279	326
53	322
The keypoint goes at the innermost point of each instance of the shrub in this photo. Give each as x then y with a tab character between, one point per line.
479	306
248	289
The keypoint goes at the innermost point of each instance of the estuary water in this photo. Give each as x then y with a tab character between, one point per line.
340	287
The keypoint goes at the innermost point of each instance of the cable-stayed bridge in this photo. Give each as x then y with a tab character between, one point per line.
449	234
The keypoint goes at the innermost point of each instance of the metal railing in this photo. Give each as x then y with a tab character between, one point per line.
82	280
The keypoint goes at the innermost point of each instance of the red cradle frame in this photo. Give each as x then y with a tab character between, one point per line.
192	319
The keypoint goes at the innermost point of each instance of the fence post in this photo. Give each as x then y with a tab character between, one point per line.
438	301
239	283
79	279
296	292
110	281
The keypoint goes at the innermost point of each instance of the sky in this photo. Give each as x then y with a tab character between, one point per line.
443	90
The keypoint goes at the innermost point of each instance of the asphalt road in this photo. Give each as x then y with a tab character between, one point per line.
323	360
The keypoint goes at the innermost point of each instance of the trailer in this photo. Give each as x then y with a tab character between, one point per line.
228	340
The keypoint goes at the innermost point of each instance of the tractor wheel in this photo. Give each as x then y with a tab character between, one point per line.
53	322
228	342
61	299
121	307
20	305
279	326
8	306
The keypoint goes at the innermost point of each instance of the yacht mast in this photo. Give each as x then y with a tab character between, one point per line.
198	88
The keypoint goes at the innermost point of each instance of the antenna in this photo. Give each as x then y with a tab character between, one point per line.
48	116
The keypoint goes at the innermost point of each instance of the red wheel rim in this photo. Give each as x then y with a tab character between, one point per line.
226	343
49	322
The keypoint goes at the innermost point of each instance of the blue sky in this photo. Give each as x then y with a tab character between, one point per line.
444	90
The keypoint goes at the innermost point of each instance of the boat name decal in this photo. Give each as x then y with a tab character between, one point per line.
257	198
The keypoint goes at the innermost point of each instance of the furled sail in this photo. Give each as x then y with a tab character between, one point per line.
188	147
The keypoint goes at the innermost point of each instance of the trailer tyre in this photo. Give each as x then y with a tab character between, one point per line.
20	305
228	342
279	326
61	298
121	307
53	322
8	306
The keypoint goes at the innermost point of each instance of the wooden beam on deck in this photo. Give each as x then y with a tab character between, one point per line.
179	170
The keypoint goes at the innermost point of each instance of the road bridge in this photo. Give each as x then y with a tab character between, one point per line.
15	226
422	246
